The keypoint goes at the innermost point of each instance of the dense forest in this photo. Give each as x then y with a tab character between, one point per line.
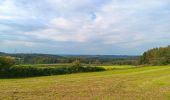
156	56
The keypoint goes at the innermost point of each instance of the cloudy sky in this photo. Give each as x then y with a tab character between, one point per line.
84	26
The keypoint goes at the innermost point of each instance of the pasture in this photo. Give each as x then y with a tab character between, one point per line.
121	83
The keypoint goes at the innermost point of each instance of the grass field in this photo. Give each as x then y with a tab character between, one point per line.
117	67
46	65
143	83
69	64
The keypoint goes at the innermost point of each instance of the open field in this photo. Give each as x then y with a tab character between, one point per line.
46	65
118	67
144	83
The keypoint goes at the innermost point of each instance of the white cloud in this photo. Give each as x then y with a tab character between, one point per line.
129	23
115	23
13	43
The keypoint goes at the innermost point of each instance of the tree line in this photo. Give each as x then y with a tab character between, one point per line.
156	56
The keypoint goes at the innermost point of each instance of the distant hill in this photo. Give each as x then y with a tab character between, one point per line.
50	59
2	53
102	56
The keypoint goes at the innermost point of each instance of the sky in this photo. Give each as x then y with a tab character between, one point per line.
110	27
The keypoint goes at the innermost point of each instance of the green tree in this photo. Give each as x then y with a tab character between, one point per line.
97	62
156	56
76	63
6	62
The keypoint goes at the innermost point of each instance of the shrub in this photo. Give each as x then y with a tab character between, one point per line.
76	63
23	71
5	64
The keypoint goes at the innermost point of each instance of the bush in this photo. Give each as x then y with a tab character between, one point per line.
22	71
5	64
7	69
76	63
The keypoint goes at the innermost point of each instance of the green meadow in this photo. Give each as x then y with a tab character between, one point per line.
117	83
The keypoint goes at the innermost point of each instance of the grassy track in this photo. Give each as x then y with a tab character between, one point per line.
145	83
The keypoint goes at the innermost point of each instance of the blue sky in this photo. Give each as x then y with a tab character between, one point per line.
127	27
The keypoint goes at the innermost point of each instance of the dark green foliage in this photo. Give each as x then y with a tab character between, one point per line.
6	61
156	56
5	64
23	71
7	70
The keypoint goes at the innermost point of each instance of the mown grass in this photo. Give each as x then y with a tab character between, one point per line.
110	67
141	83
46	65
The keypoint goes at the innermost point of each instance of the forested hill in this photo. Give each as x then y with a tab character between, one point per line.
34	58
1	53
156	56
50	59
103	56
